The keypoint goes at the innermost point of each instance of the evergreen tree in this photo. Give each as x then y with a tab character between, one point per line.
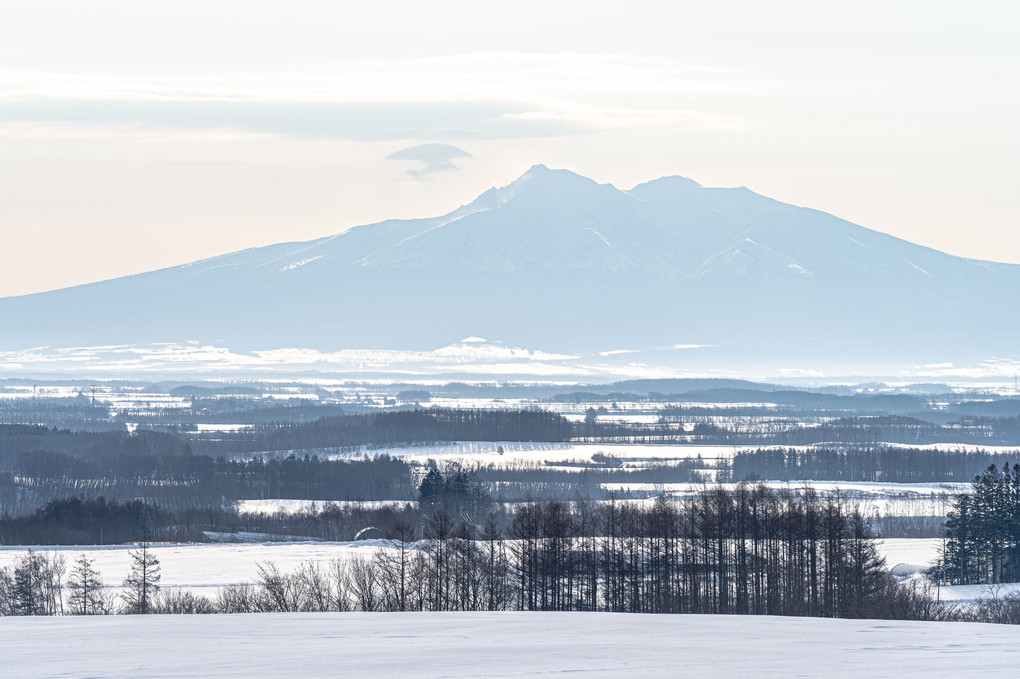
983	530
86	589
431	489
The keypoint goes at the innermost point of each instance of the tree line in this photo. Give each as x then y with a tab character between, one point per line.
865	463
750	550
386	428
415	426
197	481
38	463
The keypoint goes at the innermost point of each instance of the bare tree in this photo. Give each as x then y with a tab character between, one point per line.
279	592
340	584
317	594
182	602
363	578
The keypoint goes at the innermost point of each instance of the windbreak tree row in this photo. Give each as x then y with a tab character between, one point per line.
750	550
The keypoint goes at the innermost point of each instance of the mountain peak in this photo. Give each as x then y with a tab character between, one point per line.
539	181
542	173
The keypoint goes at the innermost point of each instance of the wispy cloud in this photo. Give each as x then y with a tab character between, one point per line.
358	121
991	368
469	96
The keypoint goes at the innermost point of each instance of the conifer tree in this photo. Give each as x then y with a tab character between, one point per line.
142	583
86	589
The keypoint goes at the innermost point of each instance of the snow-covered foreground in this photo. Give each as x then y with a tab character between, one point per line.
500	645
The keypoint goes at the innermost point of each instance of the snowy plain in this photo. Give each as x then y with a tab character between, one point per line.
427	645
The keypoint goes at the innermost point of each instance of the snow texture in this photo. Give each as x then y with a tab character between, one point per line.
428	645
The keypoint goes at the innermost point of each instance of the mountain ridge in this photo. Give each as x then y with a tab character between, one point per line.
556	260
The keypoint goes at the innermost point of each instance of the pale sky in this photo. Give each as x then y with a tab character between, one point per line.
137	135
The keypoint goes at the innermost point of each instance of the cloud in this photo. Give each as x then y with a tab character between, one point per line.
800	372
991	368
355	121
484	96
432	157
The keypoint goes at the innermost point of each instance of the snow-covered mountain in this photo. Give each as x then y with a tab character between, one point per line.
558	262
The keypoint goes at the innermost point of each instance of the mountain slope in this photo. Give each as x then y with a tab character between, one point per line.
557	261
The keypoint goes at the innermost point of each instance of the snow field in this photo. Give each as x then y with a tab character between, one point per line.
450	645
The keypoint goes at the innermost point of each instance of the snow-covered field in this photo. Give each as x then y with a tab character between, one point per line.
917	551
965	593
500	645
849	490
486	452
289	506
203	567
